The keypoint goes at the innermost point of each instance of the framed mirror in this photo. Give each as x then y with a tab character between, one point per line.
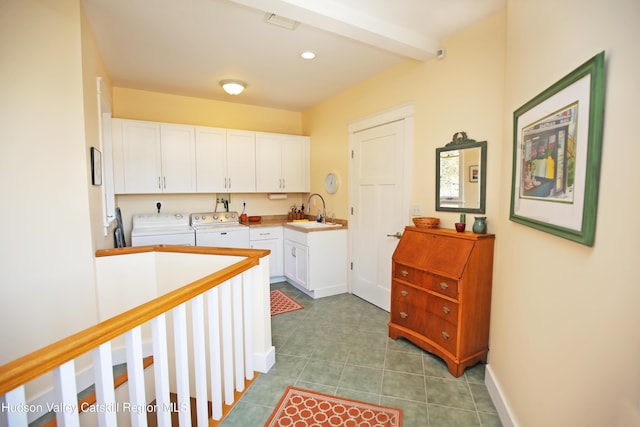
461	178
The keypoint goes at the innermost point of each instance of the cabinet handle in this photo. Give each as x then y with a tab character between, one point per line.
444	286
293	252
404	293
445	335
404	273
403	315
284	184
446	309
229	183
159	184
165	182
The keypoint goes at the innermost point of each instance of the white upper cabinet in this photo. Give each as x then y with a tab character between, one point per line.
282	163
177	144
241	161
225	160
151	157
211	160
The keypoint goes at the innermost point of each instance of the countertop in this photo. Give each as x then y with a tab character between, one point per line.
282	220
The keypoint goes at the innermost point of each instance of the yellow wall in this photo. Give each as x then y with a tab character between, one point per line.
463	92
162	107
47	279
565	334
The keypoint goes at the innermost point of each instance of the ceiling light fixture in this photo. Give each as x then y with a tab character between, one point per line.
308	55
233	87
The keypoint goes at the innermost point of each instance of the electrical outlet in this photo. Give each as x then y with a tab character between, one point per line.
416	210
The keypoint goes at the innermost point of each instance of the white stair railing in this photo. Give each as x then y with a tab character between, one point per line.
219	341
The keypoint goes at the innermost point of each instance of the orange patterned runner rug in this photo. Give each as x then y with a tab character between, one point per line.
282	303
301	408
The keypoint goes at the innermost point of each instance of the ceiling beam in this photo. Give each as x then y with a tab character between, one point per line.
336	18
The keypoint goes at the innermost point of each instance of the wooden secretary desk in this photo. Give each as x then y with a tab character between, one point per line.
441	294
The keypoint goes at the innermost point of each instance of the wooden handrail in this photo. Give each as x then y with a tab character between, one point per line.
31	366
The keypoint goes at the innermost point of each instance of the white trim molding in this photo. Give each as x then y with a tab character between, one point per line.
498	399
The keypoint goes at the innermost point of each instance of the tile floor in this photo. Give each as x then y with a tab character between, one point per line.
339	345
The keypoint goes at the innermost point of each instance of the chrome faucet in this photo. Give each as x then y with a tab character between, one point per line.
324	207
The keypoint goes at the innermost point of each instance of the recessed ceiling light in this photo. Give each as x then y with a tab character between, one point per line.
308	55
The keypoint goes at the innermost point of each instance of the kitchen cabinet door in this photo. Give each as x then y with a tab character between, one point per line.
177	144
211	160
295	163
282	163
241	161
270	238
269	163
137	157
296	263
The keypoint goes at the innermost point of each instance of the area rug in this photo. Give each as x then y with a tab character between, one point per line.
282	303
302	408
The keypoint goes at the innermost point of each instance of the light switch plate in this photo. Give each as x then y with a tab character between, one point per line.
416	210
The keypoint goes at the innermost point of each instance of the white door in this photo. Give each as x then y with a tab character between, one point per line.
380	208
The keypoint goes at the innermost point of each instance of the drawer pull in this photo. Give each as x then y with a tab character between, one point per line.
404	273
403	315
446	309
404	293
445	335
444	286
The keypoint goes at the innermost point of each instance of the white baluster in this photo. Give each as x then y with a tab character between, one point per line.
161	370
105	391
227	341
135	378
238	339
15	402
213	311
182	364
247	280
64	379
200	360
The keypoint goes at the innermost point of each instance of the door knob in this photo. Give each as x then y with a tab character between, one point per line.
397	235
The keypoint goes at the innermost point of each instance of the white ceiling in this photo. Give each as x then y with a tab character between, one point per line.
186	47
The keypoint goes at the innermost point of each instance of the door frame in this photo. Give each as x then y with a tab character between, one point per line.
401	112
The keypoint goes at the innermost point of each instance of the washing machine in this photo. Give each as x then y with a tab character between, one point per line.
220	229
162	229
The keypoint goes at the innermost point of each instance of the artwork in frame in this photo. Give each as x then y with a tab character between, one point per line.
473	173
96	166
557	139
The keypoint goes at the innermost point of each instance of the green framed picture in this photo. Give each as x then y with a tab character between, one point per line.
557	140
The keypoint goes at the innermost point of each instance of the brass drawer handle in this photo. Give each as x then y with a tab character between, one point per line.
404	293
446	309
444	286
445	335
404	273
403	315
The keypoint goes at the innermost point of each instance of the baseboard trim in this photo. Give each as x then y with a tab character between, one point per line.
263	362
497	397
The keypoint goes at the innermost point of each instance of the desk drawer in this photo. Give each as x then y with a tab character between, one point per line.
442	285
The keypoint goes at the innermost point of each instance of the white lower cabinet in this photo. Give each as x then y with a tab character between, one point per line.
316	262
269	238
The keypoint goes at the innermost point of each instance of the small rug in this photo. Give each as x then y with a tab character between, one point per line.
282	303
299	408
